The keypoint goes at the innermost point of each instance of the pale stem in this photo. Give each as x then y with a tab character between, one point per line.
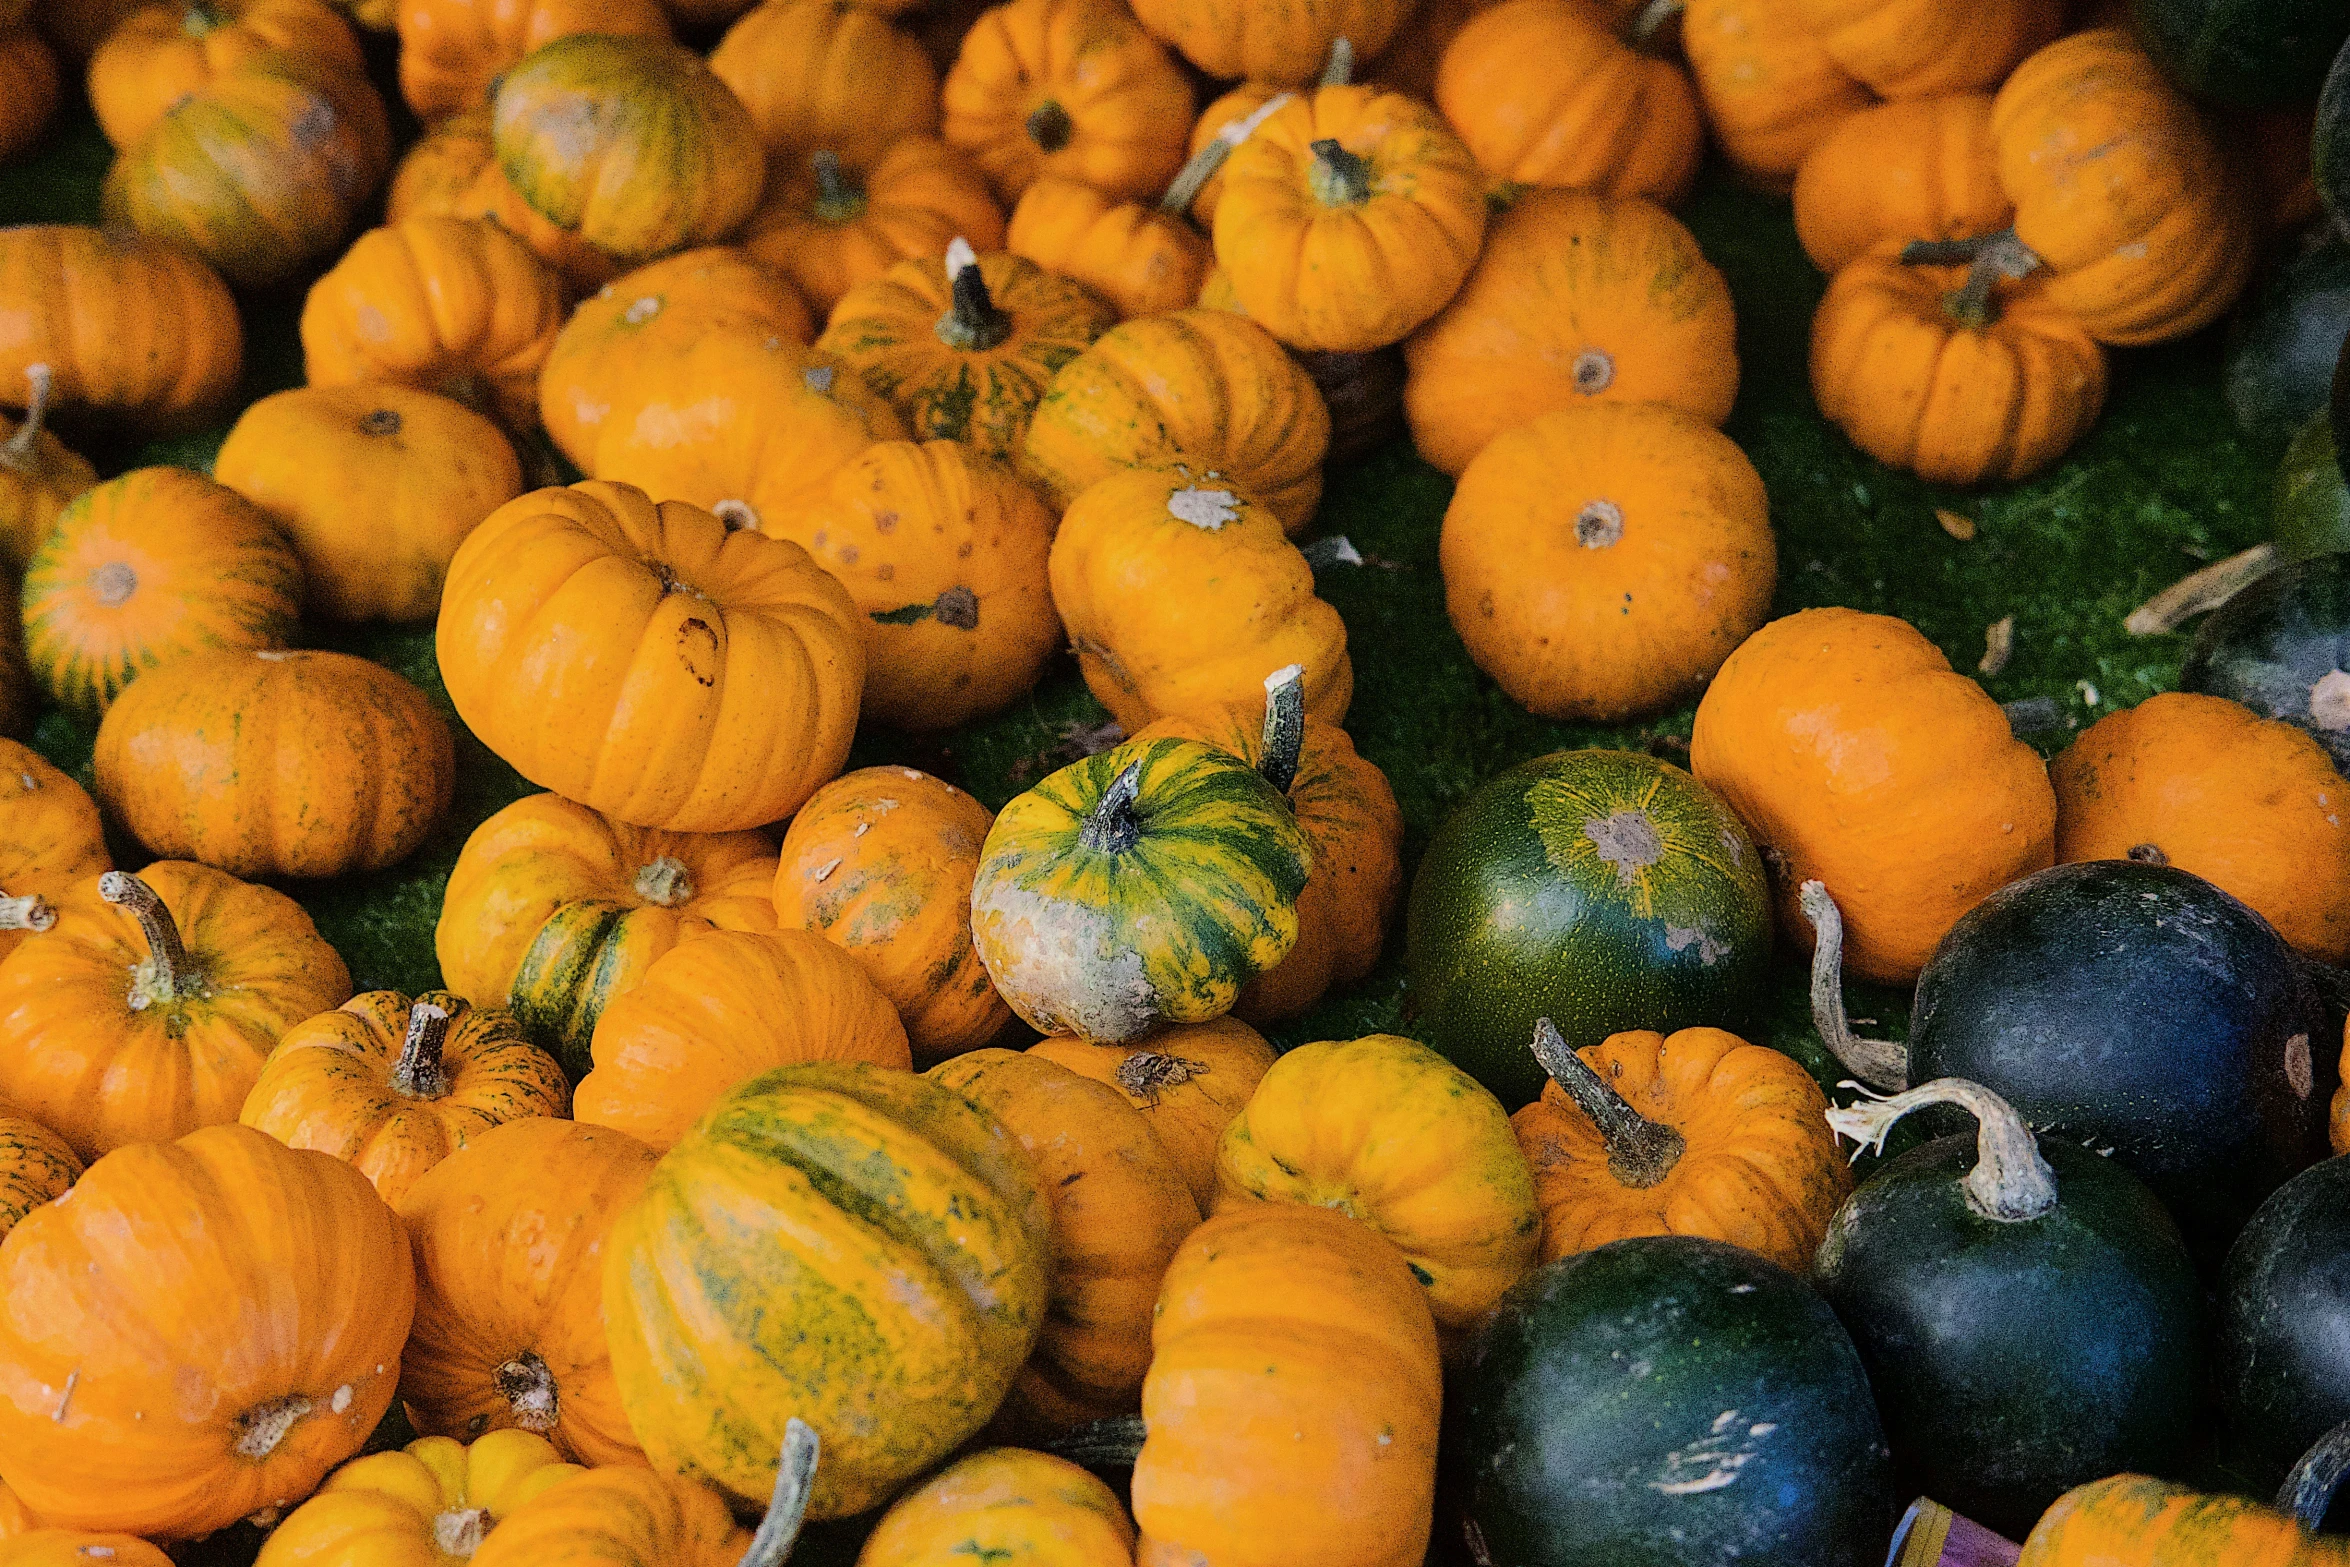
1880	1063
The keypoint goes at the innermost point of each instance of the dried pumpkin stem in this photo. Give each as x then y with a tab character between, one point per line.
30	912
1339	69
460	1531
665	882
1990	260
1112	826
1880	1063
1337	177
1640	1152
1050	127
795	1479
2010	1183
1113	1442
1205	162
972	323
201	18
169	974
1284	740
1648	27
1146	1074
528	1386
2309	1490
838	200
2203	590
420	1073
17	451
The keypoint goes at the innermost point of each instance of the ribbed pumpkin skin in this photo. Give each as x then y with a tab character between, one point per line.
452	52
50	837
1387	1131
331	1085
1106	942
75	1052
446	304
1141	258
36	1167
28	90
508	1268
311	1295
618	1518
888	331
1577	299
157	565
1285	42
452	172
855	1246
1760	1168
277	763
128	327
880	862
1202	387
908	206
36	486
1913	48
1858	758
595	642
1771	93
1917	388
721	1009
1189	1080
165	50
2136	1518
260	171
1119	1209
554	909
387	1507
828	74
1919	168
1004	1504
1294	1365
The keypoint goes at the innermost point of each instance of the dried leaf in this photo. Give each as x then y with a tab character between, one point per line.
1998	645
1959	528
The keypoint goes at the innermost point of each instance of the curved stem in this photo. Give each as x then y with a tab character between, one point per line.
1205	162
1339	69
420	1073
1640	1152
2203	590
972	323
169	973
1880	1063
2010	1183
795	1479
17	451
529	1389
1284	740
2309	1490
1990	259
1338	177
30	912
1113	1442
1112	827
838	200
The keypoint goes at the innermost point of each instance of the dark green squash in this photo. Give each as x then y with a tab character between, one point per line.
1605	890
2280	648
2139	1009
2329	161
2284	1319
1660	1402
2309	506
2253	54
2285	340
2026	1310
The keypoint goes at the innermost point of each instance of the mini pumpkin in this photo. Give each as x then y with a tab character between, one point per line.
156	565
91	1292
1285	44
828	227
50	839
1860	759
1004	1504
1189	1080
445	304
720	1010
126	326
1180	593
1143	259
434	1495
39	474
36	1167
1913	48
376	486
509	1330
1771	93
1603	559
1142	885
163	51
1692	1133
1577	299
554	909
1385	1130
392	1086
538	644
1920	168
2138	1518
453	172
828	73
1409	63
28	89
277	763
636	1518
880	862
1071	88
1202	387
452	52
1348	218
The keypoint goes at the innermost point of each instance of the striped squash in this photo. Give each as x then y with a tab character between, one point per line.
36	1166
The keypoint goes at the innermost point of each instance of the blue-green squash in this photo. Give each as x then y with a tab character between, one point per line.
2284	1320
2252	54
2284	340
1605	890
2281	646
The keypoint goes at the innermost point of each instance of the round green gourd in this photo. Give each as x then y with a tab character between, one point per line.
2283	343
2284	1319
2282	647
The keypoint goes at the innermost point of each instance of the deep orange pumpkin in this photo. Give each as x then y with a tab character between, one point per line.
828	74
1921	168
828	227
125	325
50	839
167	49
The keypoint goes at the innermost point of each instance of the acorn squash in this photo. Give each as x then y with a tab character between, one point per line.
2284	1319
2281	647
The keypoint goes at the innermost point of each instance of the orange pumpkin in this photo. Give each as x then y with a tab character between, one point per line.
1409	63
1203	387
828	73
452	52
28	89
165	50
595	640
1545	94
1004	1504
1858	758
1771	93
1230	119
1073	88
721	1009
2249	804
39	475
636	1518
50	839
1189	1081
1602	560
1349	217
1578	299
1144	259
1922	168
91	1298
509	1331
277	763
829	228
1286	44
434	1495
450	305
126	326
453	172
36	1167
392	1086
880	861
1915	48
157	565
1952	373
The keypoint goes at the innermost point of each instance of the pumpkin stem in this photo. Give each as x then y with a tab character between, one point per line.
973	324
1146	1072
17	452
1337	177
795	1478
1990	259
420	1073
1339	69
261	1428
460	1531
30	912
666	883
528	1387
2203	590
383	421
1284	739
1113	1442
1205	162
1640	1152
838	200
1648	27
168	975
1050	127
2309	1490
200	18
1880	1063
2010	1183
1112	827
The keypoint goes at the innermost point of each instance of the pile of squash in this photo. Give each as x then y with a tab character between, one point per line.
795	1142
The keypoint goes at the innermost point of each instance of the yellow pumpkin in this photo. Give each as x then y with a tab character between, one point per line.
1004	1505
828	227
433	1498
1189	1080
1142	258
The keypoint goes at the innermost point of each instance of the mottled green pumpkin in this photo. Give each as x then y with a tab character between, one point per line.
1143	885
856	1246
1605	890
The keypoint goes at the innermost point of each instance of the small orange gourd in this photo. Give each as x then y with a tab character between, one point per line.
1284	44
452	52
828	73
39	474
126	326
165	50
1771	93
1143	259
50	839
1004	1504
433	1496
453	172
1920	168
1915	48
828	227
1188	1080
